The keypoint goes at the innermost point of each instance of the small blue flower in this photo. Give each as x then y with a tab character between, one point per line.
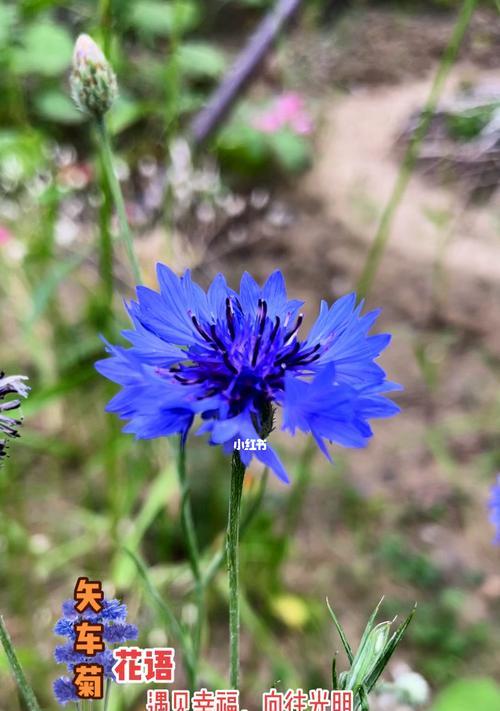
64	690
115	631
494	506
233	357
119	632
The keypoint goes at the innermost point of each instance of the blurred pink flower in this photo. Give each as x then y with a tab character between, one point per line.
75	176
287	111
5	235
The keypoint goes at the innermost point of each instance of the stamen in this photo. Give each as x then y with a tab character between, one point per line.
228	364
188	381
256	350
200	330
308	355
216	338
275	329
230	318
290	354
294	330
263	315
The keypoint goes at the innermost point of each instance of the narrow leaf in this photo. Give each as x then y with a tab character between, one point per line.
170	620
335	681
369	626
22	683
341	632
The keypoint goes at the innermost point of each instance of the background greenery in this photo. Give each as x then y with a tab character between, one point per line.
75	491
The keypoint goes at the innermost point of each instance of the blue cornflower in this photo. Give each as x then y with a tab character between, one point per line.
115	631
494	506
232	357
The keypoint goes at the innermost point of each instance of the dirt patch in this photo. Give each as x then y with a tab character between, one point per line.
386	47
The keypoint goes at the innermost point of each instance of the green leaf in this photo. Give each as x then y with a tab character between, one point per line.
335	681
387	653
17	672
161	19
56	106
170	621
341	632
200	59
47	50
466	694
369	626
368	655
158	493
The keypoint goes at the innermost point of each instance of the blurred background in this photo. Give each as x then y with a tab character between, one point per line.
299	176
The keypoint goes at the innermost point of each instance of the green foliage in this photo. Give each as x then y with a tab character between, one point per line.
201	59
375	649
245	150
156	18
468	124
21	154
466	694
46	49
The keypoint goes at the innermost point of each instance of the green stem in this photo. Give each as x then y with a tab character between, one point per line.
233	533
105	21
410	157
105	246
116	192
107	693
248	516
22	683
194	557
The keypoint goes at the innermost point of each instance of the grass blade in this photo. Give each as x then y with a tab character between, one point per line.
341	632
170	620
21	681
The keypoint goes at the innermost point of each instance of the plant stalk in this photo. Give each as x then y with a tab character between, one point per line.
194	558
233	533
410	157
116	192
107	693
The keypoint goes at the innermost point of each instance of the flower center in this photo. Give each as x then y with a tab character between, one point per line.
244	357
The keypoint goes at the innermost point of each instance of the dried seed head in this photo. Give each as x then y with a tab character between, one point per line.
92	80
10	385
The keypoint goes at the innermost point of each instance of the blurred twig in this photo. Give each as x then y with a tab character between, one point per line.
408	163
245	65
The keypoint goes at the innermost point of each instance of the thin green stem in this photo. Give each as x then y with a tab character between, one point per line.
233	534
247	518
116	192
105	22
410	157
194	556
105	245
107	693
22	683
